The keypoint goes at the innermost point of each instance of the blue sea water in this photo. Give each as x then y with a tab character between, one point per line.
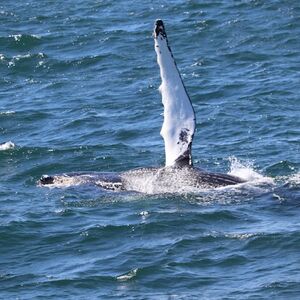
79	92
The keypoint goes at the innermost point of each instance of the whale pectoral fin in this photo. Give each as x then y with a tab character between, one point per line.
179	116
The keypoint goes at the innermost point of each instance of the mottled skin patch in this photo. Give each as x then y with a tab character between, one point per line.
183	136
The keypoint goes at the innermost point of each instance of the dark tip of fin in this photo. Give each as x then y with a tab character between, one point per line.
159	22
46	179
159	28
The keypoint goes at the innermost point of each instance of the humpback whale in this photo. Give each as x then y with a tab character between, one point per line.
177	131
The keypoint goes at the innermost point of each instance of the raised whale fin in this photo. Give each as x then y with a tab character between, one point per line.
179	116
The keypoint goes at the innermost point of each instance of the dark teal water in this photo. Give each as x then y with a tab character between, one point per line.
78	92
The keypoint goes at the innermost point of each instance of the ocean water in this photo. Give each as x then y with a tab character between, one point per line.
79	92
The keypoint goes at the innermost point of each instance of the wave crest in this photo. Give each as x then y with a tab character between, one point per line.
7	146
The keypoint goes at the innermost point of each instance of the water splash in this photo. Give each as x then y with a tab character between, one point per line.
162	181
247	172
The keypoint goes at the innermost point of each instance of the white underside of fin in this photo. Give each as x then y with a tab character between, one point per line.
179	117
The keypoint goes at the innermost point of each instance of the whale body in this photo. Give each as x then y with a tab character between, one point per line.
177	131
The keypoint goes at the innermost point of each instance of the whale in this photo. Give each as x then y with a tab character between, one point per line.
177	131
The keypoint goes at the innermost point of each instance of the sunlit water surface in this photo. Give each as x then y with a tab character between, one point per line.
79	92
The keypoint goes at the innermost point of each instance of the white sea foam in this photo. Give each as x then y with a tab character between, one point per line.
8	112
7	146
18	37
127	276
241	236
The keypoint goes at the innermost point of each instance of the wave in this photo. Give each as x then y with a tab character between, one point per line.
30	62
24	37
20	42
6	113
7	146
23	62
127	276
282	168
